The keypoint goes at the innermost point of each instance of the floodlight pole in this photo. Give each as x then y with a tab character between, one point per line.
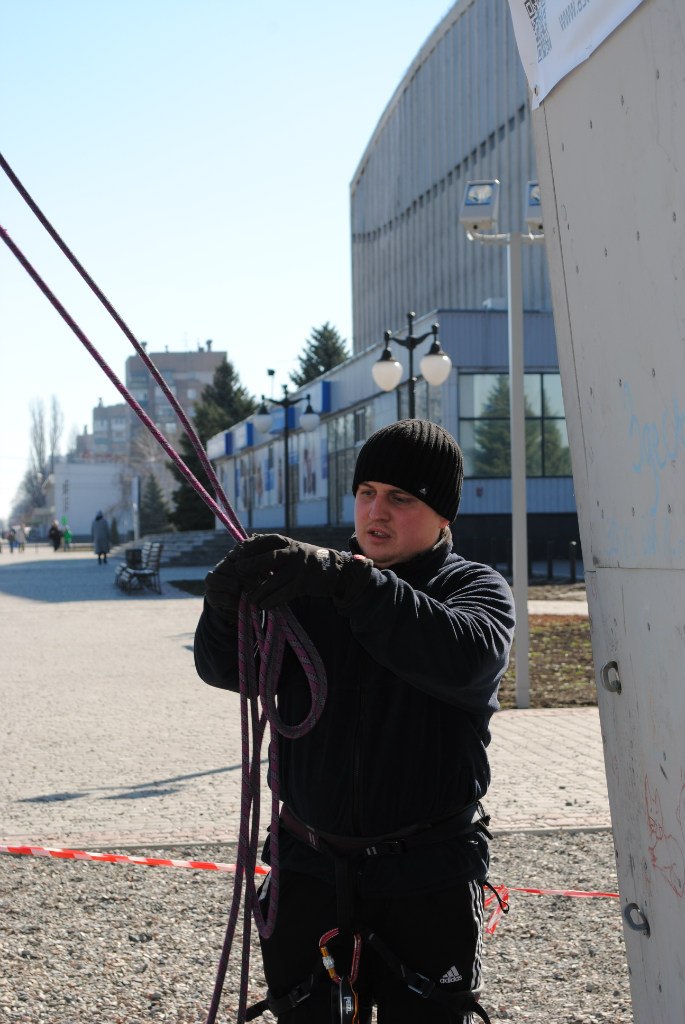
519	512
517	428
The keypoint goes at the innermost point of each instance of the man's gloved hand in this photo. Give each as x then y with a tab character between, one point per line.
275	569
223	588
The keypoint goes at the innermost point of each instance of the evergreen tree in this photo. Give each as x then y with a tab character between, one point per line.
154	513
492	435
323	350
223	402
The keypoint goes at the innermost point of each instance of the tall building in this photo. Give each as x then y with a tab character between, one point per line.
111	430
460	113
186	373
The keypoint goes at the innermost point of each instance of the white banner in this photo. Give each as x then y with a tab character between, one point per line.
555	36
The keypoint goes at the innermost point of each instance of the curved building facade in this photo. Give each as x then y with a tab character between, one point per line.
460	114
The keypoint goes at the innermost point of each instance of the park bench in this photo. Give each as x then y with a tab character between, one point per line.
143	574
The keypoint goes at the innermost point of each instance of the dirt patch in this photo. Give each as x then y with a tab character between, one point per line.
562	673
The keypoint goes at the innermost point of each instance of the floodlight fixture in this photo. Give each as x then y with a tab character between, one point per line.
480	206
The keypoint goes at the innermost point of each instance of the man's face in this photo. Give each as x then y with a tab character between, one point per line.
392	526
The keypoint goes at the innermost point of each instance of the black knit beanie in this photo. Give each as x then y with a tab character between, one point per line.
417	456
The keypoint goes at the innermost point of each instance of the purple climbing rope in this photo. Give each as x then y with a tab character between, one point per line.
267	636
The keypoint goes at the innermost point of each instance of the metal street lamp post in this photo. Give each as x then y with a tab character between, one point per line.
478	216
435	365
263	421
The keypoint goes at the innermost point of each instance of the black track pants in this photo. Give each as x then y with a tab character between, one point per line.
437	934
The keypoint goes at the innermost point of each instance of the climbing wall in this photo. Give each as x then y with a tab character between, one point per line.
610	142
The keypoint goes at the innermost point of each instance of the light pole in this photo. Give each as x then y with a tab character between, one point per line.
435	365
478	216
263	421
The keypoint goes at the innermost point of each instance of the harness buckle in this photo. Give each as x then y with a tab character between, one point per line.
388	848
420	984
298	994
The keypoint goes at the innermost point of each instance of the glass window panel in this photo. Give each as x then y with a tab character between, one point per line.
484	428
488	445
532	394
553	402
350	459
556	449
402	392
467	445
348	436
435	405
533	448
336	433
421	400
484	394
360	424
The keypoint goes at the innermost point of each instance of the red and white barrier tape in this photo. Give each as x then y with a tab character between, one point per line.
205	865
120	858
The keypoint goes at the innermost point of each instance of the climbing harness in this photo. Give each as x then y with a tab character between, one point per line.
471	818
346	854
263	636
345	1006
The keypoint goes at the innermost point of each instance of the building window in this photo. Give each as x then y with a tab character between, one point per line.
346	433
484	432
360	418
427	401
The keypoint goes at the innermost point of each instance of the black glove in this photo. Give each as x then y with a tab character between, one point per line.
275	569
223	589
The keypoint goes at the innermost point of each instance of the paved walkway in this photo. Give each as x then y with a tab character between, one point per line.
109	739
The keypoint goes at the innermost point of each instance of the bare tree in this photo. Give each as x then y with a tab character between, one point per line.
38	454
148	457
56	430
31	492
44	441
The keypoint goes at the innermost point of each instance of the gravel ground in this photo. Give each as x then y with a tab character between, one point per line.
83	942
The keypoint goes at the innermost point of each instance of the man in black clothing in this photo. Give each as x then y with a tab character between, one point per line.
381	823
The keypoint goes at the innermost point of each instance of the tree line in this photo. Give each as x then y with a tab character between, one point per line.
222	404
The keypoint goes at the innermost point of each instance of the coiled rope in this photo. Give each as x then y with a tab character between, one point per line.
262	638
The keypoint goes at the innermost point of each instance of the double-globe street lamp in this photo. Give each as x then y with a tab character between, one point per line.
478	216
263	422
435	365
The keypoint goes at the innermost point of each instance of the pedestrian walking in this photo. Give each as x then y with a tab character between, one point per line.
383	844
55	535
66	537
99	532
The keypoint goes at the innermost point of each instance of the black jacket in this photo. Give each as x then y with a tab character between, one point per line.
413	667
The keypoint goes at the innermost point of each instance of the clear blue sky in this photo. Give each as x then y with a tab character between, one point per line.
197	159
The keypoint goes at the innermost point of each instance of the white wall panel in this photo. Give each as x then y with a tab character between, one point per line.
611	154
